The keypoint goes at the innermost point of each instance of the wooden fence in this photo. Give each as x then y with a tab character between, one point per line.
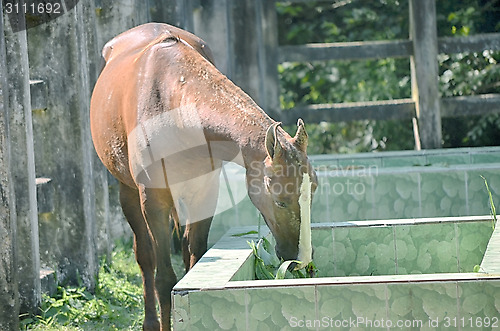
252	55
58	208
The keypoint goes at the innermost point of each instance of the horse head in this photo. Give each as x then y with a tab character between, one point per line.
275	187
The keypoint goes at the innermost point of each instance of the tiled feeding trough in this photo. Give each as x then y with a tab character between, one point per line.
386	185
407	273
410	267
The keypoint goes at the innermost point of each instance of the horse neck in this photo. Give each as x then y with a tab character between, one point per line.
240	120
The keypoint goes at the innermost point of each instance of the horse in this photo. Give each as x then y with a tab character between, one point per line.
163	121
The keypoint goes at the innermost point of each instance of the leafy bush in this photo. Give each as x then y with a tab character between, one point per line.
117	303
347	81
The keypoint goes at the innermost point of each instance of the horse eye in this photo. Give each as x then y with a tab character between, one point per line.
280	204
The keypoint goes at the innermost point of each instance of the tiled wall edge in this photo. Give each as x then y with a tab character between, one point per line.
491	259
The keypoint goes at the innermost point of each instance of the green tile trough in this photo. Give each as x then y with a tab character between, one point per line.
414	273
378	186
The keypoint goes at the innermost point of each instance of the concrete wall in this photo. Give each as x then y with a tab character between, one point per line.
67	211
9	298
58	205
17	104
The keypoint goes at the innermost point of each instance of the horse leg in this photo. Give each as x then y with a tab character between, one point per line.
144	252
194	241
156	206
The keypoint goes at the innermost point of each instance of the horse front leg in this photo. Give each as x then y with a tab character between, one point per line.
156	205
194	241
144	253
198	211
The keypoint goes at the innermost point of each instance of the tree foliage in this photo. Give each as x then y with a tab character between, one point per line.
348	81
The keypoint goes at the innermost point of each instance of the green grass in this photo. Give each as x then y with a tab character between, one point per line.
117	303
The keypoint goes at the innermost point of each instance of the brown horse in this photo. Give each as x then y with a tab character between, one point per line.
163	120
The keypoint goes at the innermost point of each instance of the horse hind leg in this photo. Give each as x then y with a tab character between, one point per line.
144	252
156	206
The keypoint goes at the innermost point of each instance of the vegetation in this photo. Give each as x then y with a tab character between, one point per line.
269	266
347	81
117	303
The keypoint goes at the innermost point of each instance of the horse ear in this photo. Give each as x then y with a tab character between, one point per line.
273	146
300	139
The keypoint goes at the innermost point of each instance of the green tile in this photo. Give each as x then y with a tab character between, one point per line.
363	251
365	303
350	198
217	310
180	312
246	271
422	304
324	162
479	304
473	239
426	248
448	159
320	209
486	157
360	163
396	196
403	161
478	199
406	251
322	241
277	308
443	194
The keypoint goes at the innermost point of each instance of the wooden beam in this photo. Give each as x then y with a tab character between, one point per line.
470	105
383	48
474	43
345	51
399	109
351	111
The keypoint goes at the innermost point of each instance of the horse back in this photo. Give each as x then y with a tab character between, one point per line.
140	37
134	94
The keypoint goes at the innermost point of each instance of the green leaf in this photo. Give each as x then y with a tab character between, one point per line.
261	272
492	204
245	233
263	248
280	274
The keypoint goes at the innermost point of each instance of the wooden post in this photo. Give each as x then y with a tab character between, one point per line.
424	72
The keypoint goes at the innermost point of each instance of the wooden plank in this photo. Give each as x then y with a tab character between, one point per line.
470	105
399	109
346	51
424	72
383	48
474	43
351	111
